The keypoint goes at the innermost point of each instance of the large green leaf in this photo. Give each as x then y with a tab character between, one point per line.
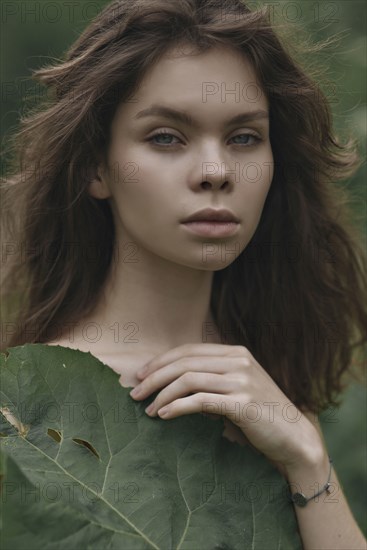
87	468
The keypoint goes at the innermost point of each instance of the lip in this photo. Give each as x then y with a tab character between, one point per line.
213	229
212	215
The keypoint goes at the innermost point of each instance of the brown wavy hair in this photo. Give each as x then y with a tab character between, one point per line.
296	297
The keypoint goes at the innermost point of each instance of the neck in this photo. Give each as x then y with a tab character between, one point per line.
150	304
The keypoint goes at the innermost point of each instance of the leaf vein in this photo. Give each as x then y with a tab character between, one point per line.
108	504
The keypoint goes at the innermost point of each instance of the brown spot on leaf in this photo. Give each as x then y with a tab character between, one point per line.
87	445
55	434
23	429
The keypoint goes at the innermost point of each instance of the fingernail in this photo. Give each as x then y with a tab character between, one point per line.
150	408
135	391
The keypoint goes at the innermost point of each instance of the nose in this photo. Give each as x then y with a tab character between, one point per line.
213	174
213	182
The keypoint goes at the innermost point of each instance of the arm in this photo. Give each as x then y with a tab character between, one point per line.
297	450
326	523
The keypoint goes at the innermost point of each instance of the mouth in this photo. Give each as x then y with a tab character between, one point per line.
210	215
212	228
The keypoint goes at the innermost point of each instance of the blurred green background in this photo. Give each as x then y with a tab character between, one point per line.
34	32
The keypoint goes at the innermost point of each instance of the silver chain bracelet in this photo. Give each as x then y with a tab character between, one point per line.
301	500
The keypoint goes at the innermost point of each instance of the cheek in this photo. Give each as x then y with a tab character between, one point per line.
256	178
140	194
129	178
261	169
257	173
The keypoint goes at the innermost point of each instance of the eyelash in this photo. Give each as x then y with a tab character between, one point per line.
166	146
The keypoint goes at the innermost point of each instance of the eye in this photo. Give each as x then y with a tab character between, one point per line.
162	134
256	138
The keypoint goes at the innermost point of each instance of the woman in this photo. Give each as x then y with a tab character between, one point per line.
180	206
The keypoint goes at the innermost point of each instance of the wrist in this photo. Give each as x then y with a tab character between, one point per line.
305	484
301	499
316	464
311	459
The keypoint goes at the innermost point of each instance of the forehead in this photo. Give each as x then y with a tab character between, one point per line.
208	87
182	72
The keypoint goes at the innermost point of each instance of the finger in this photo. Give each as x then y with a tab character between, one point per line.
193	404
198	384
167	374
186	350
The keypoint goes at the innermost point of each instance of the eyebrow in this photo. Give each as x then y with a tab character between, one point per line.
185	118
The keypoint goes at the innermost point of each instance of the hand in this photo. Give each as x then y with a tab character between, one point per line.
227	380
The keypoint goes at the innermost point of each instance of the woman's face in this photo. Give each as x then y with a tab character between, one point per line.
163	168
